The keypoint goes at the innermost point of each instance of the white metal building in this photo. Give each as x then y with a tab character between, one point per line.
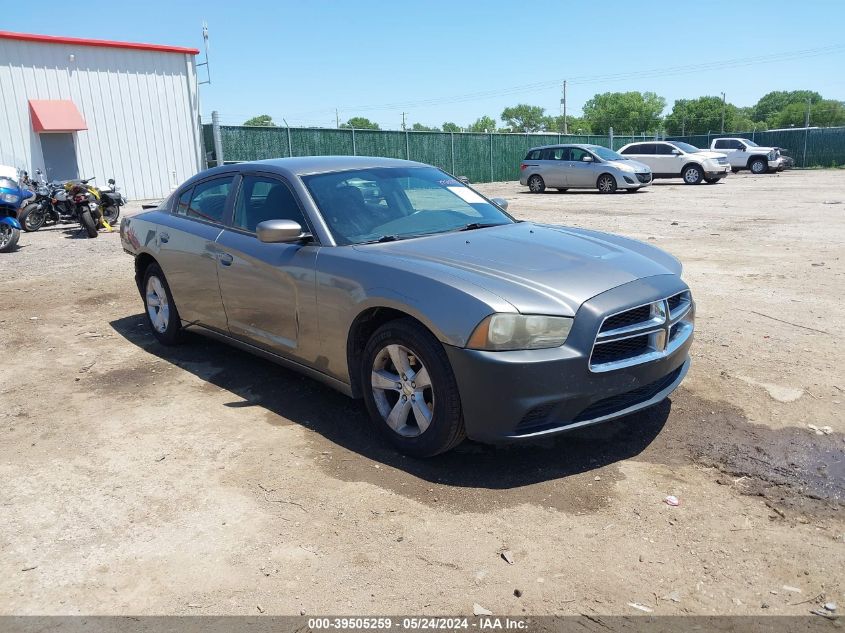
77	108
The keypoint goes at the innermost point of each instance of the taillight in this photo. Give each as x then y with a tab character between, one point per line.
522	166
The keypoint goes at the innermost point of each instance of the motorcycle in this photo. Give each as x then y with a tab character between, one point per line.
84	201
12	194
52	205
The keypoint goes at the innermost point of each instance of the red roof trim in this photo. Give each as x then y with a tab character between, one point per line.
55	39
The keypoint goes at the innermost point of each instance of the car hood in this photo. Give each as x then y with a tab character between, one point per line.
539	269
622	164
710	154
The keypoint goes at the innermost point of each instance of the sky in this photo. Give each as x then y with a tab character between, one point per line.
440	61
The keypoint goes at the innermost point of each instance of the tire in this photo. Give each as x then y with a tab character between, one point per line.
9	237
111	214
421	431
536	184
758	166
712	181
32	217
562	190
692	175
606	184
88	223
159	307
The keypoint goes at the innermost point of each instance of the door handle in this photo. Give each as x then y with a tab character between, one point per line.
164	238
226	259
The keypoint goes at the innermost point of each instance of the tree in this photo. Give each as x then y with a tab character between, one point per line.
773	103
484	124
451	127
262	120
360	123
700	116
419	127
823	113
524	118
575	125
625	112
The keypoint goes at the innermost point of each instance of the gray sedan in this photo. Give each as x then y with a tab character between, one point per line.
393	282
565	167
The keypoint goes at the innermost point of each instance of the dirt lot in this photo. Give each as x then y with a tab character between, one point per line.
138	479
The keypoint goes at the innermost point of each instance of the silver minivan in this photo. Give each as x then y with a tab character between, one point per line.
576	166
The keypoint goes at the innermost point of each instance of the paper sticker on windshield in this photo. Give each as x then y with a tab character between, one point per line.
467	195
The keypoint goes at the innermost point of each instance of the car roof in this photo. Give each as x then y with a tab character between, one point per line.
581	145
305	165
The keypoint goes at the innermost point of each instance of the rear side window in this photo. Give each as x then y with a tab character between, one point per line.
558	153
207	200
633	149
261	199
534	154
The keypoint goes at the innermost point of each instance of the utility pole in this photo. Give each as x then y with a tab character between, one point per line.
337	118
403	120
563	107
723	113
807	117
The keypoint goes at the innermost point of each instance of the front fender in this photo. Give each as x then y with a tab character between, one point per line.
11	222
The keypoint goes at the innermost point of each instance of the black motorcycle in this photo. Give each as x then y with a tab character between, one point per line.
53	205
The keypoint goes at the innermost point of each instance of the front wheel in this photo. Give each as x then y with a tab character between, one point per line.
758	166
88	223
410	390
606	184
693	175
32	217
536	184
9	237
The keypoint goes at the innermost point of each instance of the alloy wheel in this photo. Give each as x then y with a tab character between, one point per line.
5	235
402	390
606	184
158	308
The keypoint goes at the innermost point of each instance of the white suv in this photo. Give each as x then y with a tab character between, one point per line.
674	159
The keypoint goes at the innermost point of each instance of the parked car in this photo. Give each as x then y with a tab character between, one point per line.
565	167
445	314
745	154
674	159
787	162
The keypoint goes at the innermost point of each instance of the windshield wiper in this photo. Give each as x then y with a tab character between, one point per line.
478	225
383	238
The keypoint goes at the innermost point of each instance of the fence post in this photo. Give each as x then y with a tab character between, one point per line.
218	138
407	146
290	145
491	156
354	149
452	140
806	132
610	136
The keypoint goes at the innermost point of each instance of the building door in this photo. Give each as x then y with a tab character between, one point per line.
59	156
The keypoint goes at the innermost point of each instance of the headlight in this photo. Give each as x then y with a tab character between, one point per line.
772	155
10	198
502	332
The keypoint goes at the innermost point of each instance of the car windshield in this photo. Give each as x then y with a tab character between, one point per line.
751	143
606	154
686	147
387	203
8	183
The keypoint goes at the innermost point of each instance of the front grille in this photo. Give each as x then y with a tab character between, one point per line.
620	350
629	317
622	401
644	178
675	301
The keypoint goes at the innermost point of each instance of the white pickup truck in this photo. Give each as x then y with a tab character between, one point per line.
745	154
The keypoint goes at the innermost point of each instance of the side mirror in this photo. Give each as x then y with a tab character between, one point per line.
741	148
500	202
278	231
111	181
676	152
587	159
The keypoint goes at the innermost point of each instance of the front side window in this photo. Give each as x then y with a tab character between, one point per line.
663	149
262	198
577	154
206	201
410	202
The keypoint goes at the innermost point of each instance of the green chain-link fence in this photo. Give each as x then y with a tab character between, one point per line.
479	157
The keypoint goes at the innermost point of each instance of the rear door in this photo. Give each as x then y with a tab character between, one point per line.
643	153
268	289
188	254
556	167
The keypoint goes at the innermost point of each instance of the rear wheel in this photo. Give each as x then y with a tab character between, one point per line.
88	223
758	166
692	174
410	390
32	217
162	315
606	184
111	214
536	184
9	237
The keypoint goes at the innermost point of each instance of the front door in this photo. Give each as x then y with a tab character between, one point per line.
581	172
268	290
59	154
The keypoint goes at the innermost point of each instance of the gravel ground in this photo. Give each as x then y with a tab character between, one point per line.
200	480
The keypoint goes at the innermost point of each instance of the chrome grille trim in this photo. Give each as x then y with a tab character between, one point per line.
669	325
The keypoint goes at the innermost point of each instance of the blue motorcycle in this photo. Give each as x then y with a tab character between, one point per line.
12	194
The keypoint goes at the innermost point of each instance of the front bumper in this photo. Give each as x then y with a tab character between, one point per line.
776	165
630	180
509	396
717	172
